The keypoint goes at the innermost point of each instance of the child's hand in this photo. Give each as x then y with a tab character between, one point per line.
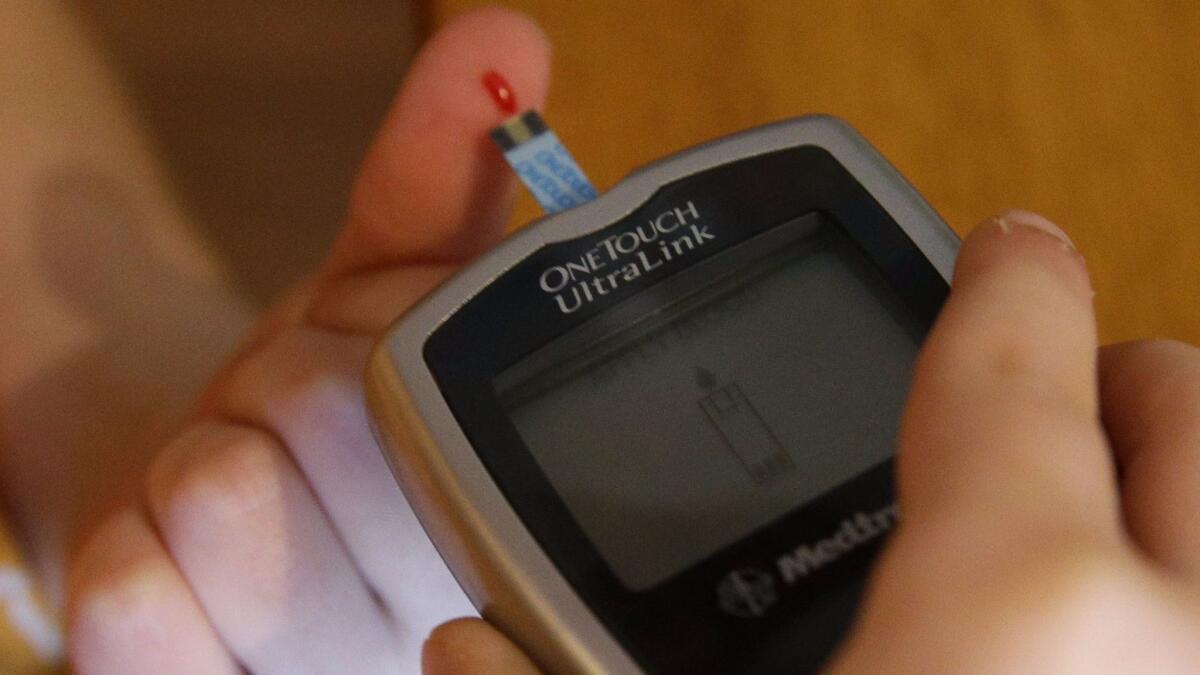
272	535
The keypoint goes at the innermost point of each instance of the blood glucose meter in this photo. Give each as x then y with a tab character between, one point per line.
654	433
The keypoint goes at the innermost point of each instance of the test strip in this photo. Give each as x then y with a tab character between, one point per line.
542	163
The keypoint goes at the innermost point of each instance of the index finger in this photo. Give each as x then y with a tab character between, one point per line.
1003	419
432	187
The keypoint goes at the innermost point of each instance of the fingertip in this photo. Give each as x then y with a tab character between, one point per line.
450	67
441	650
1017	238
472	647
113	580
432	187
517	48
130	611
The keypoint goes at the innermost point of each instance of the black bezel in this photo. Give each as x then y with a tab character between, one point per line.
501	325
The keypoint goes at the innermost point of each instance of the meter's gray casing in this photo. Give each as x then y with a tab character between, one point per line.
493	556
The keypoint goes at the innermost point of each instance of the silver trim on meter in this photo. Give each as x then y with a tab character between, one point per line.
497	561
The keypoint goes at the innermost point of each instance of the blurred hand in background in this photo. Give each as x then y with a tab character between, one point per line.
270	534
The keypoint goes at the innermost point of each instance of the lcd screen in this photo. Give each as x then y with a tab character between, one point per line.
749	386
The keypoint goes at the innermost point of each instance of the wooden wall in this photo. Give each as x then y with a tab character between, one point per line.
1086	111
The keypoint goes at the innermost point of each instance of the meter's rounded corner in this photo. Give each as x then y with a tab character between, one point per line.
461	536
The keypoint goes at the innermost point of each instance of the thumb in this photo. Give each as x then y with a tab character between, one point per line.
472	647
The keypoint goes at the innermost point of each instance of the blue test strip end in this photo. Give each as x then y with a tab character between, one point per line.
542	163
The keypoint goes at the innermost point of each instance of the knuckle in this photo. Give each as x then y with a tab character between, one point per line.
216	473
1015	364
366	302
991	347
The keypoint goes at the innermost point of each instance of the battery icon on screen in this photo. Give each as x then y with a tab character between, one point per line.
746	434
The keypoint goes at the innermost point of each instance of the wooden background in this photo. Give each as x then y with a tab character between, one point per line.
261	112
1086	111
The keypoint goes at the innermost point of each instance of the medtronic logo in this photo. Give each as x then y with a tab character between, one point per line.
853	532
746	592
749	592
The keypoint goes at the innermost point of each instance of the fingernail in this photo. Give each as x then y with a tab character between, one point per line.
1020	218
1014	219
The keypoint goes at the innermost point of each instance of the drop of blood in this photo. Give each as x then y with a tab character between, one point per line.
501	91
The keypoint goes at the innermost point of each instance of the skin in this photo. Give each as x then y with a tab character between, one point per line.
269	534
1046	484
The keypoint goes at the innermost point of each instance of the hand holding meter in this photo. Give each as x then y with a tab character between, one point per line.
653	433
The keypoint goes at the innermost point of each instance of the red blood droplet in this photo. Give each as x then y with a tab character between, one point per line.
501	92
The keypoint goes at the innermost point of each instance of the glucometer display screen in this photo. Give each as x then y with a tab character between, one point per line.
719	400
